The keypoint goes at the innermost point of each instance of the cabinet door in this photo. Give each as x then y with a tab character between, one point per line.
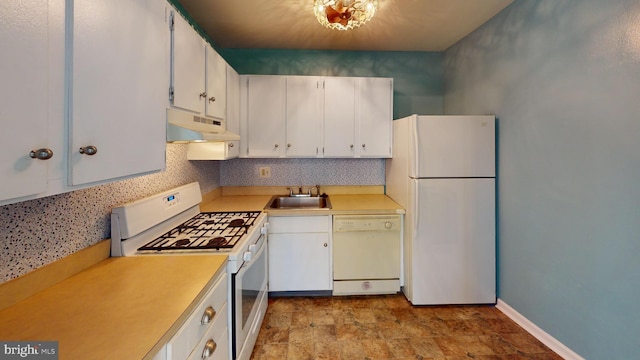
188	66
339	117
374	117
266	116
232	119
304	116
118	85
23	96
299	262
216	73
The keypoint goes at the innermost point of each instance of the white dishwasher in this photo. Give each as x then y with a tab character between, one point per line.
366	254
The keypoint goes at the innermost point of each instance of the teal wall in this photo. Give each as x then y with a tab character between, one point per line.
417	76
563	78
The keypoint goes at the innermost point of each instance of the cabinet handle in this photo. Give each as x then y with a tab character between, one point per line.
208	314
88	150
41	154
203	94
212	99
209	348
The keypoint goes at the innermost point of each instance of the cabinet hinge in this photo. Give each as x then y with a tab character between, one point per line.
170	93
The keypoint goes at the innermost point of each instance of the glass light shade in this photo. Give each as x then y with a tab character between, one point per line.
344	14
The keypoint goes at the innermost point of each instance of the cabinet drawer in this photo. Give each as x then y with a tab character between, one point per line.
217	333
299	224
193	329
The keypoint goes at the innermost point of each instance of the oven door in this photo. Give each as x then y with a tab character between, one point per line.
249	301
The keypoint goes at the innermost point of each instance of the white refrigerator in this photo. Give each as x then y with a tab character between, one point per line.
443	173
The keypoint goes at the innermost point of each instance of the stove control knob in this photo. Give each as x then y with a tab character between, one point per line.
247	256
253	248
264	229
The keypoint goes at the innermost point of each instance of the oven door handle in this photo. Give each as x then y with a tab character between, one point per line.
253	249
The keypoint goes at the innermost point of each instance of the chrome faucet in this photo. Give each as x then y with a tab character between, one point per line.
303	194
300	193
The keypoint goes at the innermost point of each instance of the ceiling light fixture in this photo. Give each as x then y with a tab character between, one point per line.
344	14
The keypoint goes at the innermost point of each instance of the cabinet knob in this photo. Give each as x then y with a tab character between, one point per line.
351	146
364	146
276	146
325	244
41	154
208	314
212	99
88	150
288	145
209	348
203	94
230	145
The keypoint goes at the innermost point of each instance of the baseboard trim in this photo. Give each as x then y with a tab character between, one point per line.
551	342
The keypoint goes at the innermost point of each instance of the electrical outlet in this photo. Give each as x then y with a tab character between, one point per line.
265	172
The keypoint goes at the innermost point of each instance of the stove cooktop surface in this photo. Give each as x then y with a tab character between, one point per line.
206	231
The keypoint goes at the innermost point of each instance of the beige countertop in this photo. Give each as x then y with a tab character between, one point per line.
120	308
370	204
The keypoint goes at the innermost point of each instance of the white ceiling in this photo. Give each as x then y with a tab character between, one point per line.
399	25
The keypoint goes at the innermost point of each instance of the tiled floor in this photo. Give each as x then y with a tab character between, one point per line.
388	327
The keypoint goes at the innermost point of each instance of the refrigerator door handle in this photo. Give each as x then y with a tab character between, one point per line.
415	208
413	148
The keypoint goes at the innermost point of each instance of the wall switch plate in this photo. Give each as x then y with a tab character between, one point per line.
265	172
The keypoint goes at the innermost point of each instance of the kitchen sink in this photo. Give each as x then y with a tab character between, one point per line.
306	203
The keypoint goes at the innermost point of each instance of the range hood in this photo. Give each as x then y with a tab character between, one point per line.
186	127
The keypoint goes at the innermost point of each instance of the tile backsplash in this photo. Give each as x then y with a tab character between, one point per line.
295	172
37	232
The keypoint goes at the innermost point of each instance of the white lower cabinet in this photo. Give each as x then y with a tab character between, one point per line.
205	333
300	253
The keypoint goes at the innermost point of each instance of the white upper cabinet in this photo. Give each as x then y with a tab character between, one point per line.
303	116
119	60
216	89
265	115
319	116
188	78
374	117
198	73
24	70
358	117
233	100
339	117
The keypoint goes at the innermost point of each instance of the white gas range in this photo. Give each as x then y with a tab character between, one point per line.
171	223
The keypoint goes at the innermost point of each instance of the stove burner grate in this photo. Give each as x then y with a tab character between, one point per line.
205	231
